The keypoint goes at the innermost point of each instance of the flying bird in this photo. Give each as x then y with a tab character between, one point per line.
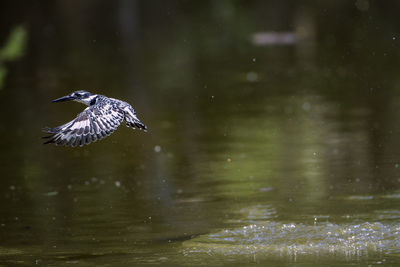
100	119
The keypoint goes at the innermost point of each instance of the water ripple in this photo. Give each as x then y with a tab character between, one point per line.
291	239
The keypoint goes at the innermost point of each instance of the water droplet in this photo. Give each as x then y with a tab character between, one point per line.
252	76
306	106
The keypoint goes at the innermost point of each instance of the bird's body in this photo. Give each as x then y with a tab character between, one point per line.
101	118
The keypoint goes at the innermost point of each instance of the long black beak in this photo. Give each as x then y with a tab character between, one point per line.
64	98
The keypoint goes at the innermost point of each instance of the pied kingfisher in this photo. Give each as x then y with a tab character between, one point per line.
101	118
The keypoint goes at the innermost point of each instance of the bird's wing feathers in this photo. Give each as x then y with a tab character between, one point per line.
92	124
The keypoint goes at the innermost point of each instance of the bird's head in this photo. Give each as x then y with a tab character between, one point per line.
79	96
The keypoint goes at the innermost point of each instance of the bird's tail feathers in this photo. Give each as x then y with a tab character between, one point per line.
136	123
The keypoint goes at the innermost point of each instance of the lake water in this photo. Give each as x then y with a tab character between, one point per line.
273	135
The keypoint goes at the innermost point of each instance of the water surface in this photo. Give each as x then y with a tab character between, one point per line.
282	153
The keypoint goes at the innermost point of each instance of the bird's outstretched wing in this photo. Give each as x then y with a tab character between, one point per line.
92	124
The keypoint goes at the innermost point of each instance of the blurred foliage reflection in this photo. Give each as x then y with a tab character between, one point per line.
12	50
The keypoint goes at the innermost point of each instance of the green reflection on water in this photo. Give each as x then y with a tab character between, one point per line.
12	50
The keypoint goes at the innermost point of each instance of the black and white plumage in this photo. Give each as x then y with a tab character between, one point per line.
101	118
